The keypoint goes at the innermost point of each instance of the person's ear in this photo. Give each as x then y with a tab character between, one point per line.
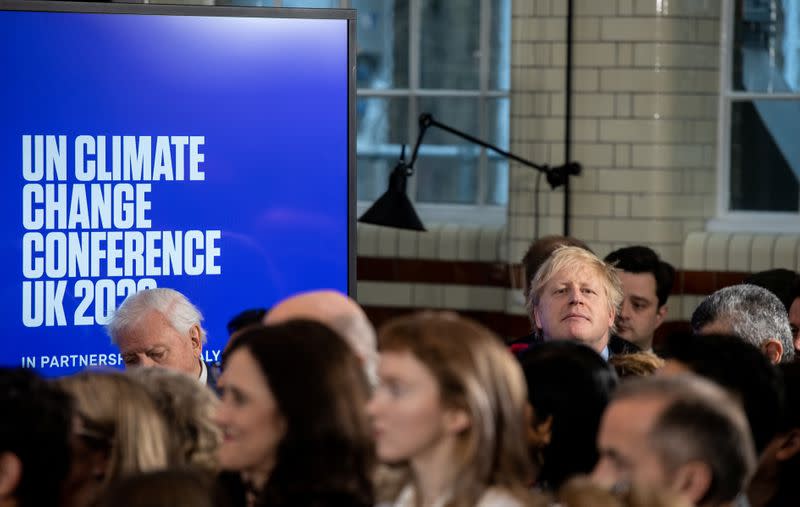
790	445
456	420
537	322
196	339
773	349
692	480
540	433
661	314
10	474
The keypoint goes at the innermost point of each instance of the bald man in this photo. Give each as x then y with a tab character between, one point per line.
337	311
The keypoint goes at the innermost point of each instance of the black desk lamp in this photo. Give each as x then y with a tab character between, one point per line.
393	209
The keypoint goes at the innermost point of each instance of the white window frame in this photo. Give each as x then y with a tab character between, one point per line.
480	213
726	220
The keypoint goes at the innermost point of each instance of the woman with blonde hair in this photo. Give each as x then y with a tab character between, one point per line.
638	364
188	408
117	432
449	415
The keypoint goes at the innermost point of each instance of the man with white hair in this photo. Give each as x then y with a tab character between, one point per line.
752	313
161	328
338	312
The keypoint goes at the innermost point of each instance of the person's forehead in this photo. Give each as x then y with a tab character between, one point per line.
635	416
404	366
641	284
576	273
149	330
718	326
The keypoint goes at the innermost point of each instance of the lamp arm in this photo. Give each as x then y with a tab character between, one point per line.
423	128
556	176
427	120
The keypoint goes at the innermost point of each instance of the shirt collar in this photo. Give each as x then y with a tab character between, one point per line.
203	373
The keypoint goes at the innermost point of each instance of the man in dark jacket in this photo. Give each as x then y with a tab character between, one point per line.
539	258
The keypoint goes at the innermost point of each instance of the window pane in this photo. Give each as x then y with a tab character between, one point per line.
382	32
447	175
450	44
497	182
498	134
382	128
765	157
500	46
497	121
766	56
447	168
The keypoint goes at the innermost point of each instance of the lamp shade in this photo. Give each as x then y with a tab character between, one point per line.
393	209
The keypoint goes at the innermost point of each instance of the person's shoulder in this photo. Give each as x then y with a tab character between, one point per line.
618	345
340	499
406	498
310	498
520	345
213	372
498	497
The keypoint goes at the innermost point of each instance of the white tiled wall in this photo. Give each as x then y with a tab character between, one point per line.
644	106
440	242
721	251
745	252
645	91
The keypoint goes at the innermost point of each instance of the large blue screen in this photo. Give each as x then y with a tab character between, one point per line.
199	152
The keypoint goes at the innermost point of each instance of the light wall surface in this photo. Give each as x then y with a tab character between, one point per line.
645	97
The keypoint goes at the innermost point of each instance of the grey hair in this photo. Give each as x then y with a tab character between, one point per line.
700	422
754	314
174	306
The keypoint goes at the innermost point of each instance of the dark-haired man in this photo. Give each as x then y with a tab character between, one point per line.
34	439
722	359
646	284
684	434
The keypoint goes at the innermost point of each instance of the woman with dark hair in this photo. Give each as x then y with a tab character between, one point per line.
292	417
569	386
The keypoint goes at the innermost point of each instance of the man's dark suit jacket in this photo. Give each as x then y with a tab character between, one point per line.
616	345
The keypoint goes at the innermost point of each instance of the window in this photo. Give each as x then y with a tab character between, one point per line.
450	58
759	154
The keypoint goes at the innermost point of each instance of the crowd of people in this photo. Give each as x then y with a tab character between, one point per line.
311	407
